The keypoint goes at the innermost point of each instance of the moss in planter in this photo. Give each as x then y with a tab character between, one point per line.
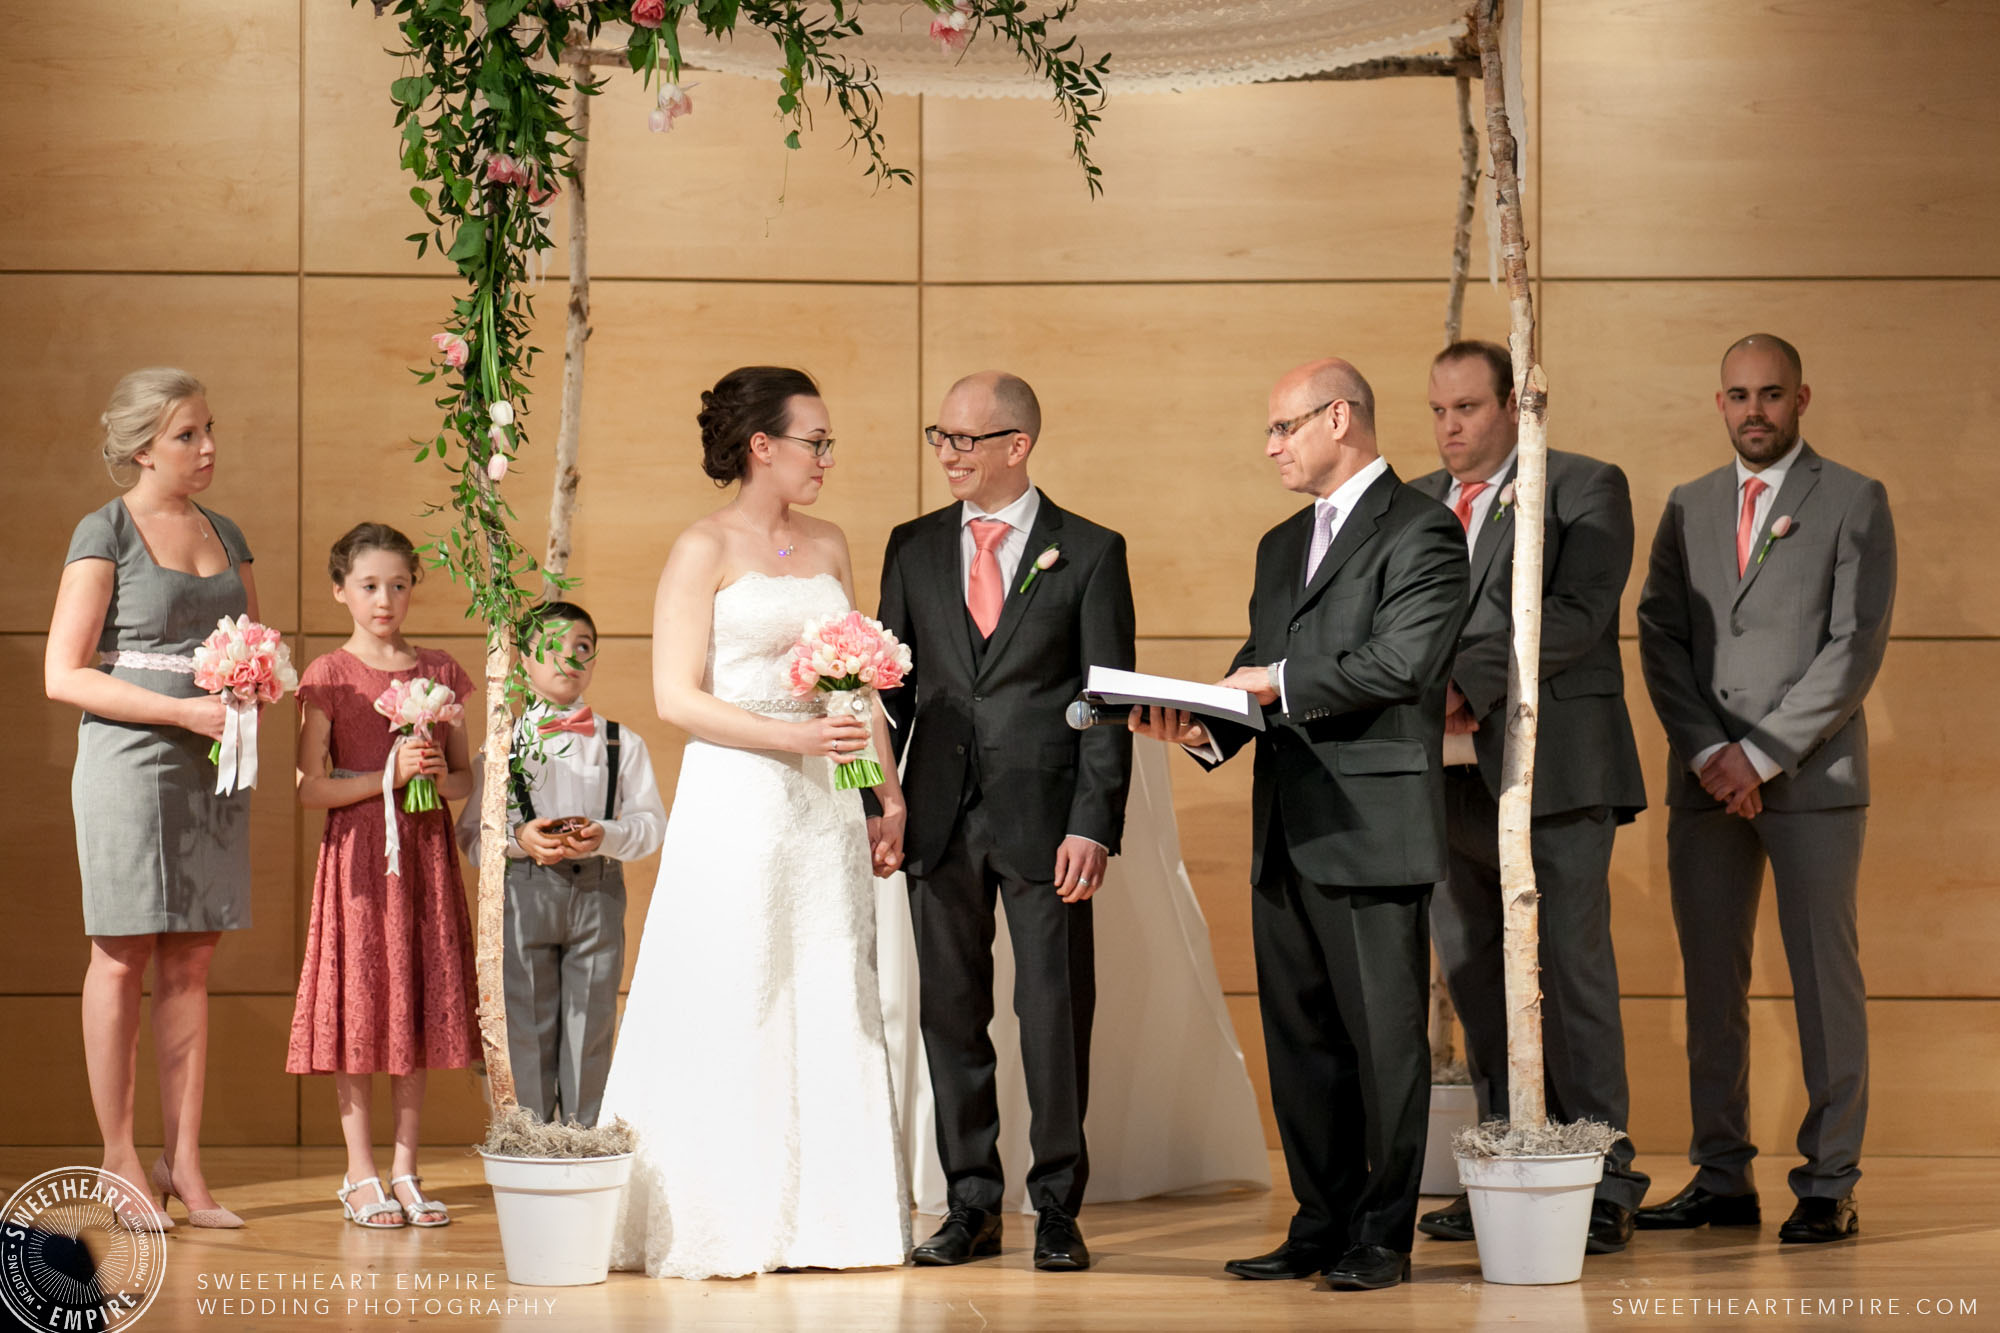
1497	1138
518	1132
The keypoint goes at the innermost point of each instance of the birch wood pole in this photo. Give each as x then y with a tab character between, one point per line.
562	503
1521	901
490	936
1461	236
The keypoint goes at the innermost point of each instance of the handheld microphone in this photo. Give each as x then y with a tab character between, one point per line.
1087	712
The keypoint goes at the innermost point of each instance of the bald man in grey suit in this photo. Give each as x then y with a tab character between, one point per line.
1761	628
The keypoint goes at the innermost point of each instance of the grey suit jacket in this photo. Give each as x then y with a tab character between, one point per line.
1352	775
1784	655
1585	754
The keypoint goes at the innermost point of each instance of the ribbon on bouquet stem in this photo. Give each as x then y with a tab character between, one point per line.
391	840
236	752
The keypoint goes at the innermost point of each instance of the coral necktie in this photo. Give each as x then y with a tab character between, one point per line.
1746	525
1467	493
983	591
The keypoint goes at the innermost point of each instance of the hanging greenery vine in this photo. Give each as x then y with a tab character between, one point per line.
480	108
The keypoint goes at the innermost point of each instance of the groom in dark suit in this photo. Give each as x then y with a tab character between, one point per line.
1005	601
1357	604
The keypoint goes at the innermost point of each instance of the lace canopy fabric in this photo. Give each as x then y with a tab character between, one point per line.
1156	45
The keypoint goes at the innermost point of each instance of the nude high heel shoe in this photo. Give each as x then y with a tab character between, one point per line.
163	1185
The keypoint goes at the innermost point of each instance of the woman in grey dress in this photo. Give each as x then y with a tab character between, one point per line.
165	861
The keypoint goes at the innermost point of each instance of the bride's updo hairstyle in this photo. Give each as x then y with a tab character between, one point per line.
749	401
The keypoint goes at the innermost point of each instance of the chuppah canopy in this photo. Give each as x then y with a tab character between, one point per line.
1155	45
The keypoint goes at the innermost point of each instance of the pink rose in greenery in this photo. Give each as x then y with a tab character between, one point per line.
648	13
496	466
952	29
502	170
674	103
452	347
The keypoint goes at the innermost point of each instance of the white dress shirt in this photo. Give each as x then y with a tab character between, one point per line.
1019	518
569	779
1482	503
1773	477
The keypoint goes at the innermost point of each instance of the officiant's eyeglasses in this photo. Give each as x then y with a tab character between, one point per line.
820	448
963	444
1284	430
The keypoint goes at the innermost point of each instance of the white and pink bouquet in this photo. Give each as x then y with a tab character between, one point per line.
849	657
416	708
249	666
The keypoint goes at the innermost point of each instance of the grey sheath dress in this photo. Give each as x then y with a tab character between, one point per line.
159	850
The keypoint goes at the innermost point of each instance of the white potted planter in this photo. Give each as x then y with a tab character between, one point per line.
1453	1107
556	1191
1530	1196
556	1215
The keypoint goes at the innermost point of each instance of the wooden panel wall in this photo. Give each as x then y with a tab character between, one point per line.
230	202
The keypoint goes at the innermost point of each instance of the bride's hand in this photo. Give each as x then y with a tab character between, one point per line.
837	738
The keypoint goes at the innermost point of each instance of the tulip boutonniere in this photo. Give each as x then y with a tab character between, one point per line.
1781	526
1504	502
1045	560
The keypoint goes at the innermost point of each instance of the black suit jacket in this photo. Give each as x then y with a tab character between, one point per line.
1353	772
991	718
1585	754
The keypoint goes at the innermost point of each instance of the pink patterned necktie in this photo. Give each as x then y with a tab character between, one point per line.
1746	525
1323	516
1467	493
983	591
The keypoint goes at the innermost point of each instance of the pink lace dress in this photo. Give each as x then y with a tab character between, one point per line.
387	986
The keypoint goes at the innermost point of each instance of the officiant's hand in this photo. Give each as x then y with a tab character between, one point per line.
1458	718
1168	724
885	840
1079	868
1255	680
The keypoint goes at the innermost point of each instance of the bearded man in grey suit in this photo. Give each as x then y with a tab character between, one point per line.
1587	775
1763	622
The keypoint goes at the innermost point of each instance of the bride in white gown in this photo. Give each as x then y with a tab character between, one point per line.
751	1060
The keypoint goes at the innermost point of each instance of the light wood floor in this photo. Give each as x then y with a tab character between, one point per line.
1930	1232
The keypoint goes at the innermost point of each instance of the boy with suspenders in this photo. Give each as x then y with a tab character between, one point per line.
582	802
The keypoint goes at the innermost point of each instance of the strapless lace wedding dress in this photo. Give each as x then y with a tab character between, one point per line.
751	1060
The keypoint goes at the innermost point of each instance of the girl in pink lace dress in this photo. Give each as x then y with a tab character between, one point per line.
387	986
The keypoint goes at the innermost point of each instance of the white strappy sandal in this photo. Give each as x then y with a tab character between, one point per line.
366	1214
420	1204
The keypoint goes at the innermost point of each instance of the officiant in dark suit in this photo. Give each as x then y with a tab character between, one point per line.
1356	606
1006	600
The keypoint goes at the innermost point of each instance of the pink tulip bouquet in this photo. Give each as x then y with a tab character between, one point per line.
249	666
849	657
415	709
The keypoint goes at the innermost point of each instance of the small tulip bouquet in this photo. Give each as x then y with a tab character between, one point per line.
249	666
415	709
849	657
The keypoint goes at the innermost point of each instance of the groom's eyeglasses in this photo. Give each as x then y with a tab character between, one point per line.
820	448
963	444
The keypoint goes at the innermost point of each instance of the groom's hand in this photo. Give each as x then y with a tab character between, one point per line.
885	841
1079	868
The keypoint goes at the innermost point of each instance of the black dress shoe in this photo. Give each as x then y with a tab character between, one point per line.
1610	1227
1368	1268
1816	1221
1695	1206
1293	1259
967	1233
1059	1246
1451	1222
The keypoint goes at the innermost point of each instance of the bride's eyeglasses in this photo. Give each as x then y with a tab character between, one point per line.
820	448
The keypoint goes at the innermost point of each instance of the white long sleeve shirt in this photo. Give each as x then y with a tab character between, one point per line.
569	779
